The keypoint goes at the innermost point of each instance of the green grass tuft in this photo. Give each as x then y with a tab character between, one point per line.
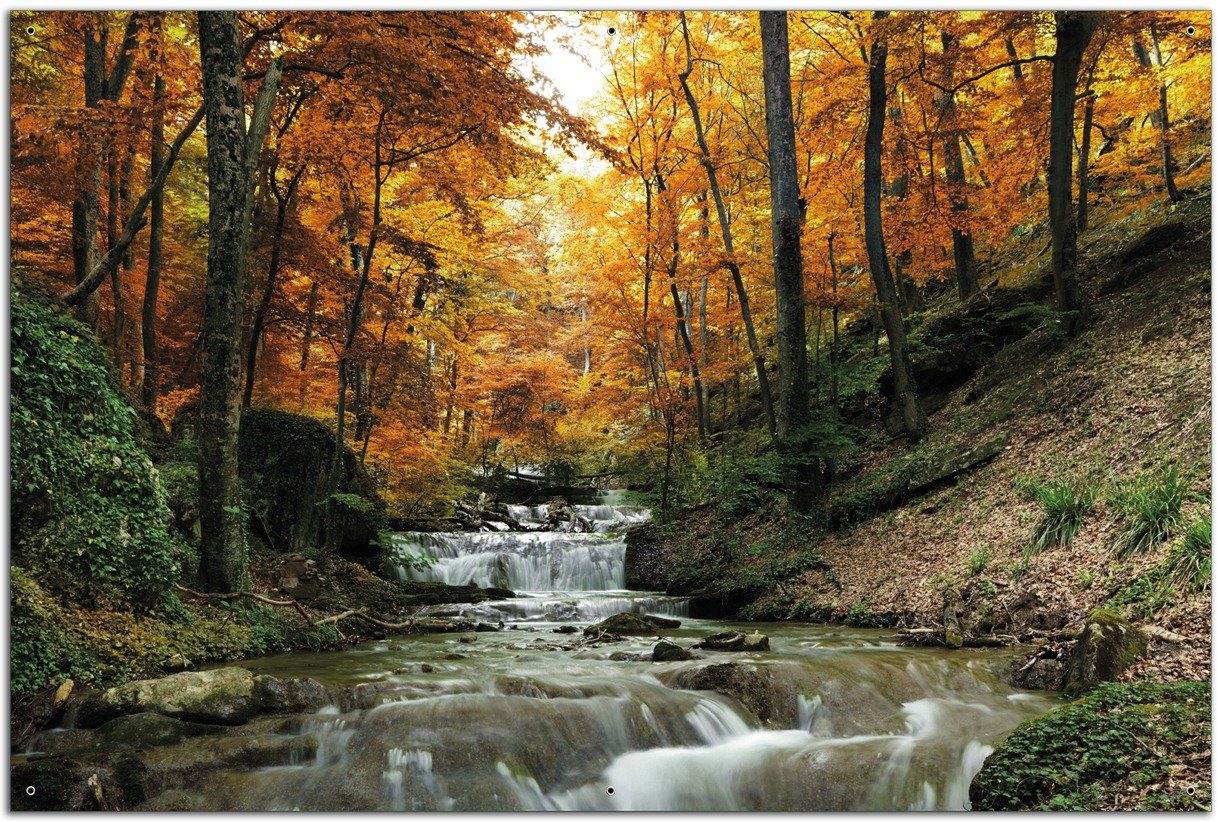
1065	507
1148	510
1189	565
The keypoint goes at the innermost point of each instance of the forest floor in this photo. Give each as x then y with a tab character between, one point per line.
1129	395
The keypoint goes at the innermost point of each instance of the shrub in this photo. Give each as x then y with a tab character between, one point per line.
1148	511
1189	565
979	560
747	484
1065	506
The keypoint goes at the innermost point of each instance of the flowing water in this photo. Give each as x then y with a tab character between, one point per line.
515	720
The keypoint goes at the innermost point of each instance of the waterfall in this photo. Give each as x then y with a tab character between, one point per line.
532	561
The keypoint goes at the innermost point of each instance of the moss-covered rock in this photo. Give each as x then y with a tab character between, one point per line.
1107	646
223	696
1137	746
629	624
285	464
89	516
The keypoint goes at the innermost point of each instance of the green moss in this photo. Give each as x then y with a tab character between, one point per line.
1141	742
1106	648
89	516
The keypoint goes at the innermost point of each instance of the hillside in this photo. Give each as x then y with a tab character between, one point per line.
1105	411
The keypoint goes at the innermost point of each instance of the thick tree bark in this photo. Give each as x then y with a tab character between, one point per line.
1073	33
232	153
222	542
723	218
801	477
906	398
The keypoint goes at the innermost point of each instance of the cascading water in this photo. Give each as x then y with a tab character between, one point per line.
525	719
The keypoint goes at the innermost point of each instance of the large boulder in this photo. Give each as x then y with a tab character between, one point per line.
285	464
1107	646
750	685
222	696
630	624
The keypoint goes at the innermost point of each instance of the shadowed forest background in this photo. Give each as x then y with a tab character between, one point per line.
893	319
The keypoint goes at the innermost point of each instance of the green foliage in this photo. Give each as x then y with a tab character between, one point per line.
1065	506
1086	579
1144	596
979	560
51	640
1130	740
353	502
744	484
1189	565
89	516
860	616
391	549
1147	510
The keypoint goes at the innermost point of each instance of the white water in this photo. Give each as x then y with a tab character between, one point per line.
520	720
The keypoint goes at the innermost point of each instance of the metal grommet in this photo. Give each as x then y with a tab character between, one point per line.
29	790
610	791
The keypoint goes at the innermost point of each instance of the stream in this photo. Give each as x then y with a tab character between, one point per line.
518	719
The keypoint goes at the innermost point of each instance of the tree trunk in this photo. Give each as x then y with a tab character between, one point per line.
683	331
906	399
703	312
232	153
956	182
222	543
87	203
730	263
273	269
1161	116
1073	33
307	338
834	357
152	278
101	85
793	437
113	218
1088	117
